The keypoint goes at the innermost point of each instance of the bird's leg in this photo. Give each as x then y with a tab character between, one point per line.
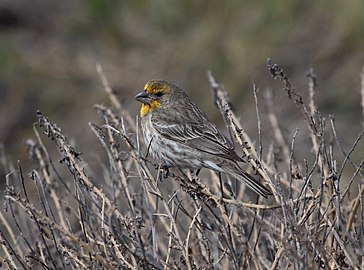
197	173
165	171
194	174
185	174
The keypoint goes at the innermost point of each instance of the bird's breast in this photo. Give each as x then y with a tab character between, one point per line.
166	151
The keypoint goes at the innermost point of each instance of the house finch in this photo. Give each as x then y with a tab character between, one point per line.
179	134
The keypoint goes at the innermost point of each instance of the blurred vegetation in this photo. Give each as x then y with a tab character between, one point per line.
48	52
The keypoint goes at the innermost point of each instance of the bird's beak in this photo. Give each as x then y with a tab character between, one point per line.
143	97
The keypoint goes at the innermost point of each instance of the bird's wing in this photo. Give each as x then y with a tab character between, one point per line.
203	137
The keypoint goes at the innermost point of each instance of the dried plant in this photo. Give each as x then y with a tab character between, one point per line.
139	216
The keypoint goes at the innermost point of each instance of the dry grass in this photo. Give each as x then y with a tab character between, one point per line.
137	216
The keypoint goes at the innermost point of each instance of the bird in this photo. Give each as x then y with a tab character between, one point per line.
179	134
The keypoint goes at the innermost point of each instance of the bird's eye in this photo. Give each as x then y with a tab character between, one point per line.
158	94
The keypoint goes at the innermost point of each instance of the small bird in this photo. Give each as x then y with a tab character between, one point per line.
179	134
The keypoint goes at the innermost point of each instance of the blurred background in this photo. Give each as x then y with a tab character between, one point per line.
49	51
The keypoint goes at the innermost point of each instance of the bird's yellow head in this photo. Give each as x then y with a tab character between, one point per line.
154	94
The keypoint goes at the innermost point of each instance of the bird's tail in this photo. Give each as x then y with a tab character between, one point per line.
238	173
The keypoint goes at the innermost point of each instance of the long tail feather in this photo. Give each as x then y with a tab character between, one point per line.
248	180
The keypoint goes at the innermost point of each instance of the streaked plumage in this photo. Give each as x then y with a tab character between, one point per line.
179	134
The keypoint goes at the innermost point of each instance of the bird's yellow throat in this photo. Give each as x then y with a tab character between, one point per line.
146	108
